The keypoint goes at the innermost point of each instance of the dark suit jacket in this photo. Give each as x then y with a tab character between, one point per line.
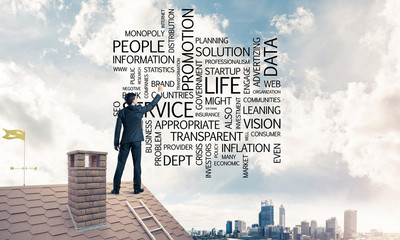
131	118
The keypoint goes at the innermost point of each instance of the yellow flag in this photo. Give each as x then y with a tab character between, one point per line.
13	134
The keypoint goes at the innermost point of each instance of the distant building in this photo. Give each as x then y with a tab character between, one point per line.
296	233
282	216
286	234
203	233
240	226
228	227
274	232
313	229
304	237
221	232
305	228
320	230
255	232
375	233
350	224
266	216
213	232
321	234
332	228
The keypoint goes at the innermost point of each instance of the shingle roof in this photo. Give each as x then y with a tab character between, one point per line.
40	212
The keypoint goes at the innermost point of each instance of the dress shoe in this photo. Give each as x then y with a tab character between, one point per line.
114	191
138	190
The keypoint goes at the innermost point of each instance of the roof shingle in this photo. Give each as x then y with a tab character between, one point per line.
40	212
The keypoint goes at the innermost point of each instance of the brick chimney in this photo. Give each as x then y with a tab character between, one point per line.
87	188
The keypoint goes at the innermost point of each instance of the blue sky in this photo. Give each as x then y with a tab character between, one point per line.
339	63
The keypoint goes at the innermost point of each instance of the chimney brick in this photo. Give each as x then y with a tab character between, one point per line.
87	188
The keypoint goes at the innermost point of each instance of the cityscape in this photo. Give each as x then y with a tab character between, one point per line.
266	228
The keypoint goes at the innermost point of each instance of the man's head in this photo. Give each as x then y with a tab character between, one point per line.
130	98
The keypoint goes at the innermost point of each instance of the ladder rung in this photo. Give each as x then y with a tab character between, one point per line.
155	229
148	231
137	207
140	221
144	218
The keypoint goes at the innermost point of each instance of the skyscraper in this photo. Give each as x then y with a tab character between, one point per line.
313	229
332	227
228	227
296	233
321	234
274	232
305	228
240	226
282	216
350	224
266	216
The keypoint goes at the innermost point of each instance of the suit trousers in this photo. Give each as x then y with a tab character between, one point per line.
136	149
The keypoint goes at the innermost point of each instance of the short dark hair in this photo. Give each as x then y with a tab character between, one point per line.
129	97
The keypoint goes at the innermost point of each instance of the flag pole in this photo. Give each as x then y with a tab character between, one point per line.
13	134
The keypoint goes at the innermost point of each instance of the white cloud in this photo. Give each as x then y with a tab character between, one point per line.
51	125
302	20
78	33
225	23
307	124
33	7
371	112
359	122
61	5
96	43
47	51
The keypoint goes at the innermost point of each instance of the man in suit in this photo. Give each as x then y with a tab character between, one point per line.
132	137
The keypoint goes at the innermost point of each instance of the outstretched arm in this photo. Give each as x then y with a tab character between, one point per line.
153	103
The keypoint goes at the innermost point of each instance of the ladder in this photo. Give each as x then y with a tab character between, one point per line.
151	216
